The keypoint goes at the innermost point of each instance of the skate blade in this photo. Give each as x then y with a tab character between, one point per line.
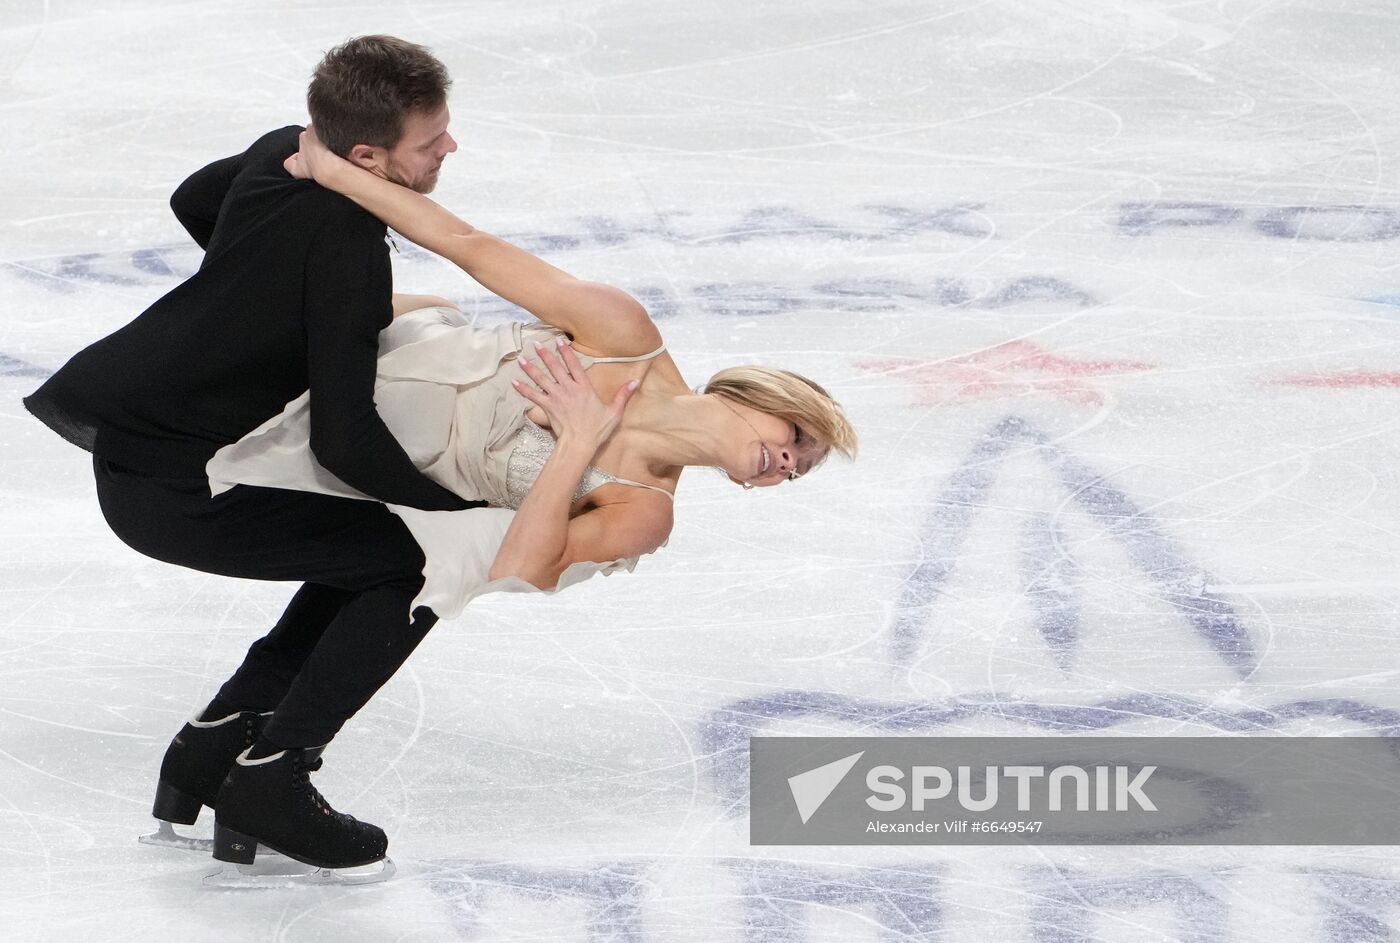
166	837
284	873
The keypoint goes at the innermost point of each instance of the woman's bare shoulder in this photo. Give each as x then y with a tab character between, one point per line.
646	510
619	326
612	524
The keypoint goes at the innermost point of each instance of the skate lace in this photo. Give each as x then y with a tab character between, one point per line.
301	771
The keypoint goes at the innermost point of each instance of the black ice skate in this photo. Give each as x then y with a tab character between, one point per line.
194	767
269	804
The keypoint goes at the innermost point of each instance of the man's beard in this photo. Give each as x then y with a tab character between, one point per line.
423	185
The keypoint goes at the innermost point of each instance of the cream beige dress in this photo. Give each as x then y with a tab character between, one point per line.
444	390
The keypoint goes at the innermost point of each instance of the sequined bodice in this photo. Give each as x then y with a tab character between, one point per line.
533	447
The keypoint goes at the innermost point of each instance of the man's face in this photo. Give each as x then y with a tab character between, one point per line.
414	161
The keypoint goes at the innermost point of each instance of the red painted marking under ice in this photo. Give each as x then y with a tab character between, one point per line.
1015	368
1342	381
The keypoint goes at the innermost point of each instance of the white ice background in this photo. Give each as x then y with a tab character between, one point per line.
1110	290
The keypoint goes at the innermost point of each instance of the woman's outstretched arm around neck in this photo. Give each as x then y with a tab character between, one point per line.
601	319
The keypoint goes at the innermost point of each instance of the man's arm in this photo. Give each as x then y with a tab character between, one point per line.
346	304
196	202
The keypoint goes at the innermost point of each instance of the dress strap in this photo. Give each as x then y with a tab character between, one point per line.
608	476
651	356
639	484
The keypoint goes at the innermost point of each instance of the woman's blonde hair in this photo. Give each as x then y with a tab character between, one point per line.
792	397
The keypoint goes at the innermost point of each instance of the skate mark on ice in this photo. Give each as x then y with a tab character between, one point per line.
611	894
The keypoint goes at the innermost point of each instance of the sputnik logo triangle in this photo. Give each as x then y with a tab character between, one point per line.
1049	573
812	788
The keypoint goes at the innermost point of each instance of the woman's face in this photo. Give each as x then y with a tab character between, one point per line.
782	452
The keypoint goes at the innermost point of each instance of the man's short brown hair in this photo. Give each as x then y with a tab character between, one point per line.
363	88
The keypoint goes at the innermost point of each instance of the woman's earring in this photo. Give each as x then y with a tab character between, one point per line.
748	486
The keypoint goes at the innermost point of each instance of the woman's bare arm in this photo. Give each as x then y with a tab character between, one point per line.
598	317
543	541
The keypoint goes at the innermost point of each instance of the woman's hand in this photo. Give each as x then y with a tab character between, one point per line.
562	390
313	161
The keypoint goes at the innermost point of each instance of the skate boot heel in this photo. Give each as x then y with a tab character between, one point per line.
233	846
172	805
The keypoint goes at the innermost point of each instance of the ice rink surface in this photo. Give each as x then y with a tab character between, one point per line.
1109	289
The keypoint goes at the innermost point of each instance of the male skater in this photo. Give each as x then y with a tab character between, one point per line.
292	293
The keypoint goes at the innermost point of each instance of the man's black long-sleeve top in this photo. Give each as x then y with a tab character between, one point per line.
292	294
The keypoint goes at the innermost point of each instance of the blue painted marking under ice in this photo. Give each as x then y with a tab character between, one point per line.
783	900
1354	905
1036	288
1320	222
14	367
890	294
1050	576
1144	218
1067	903
725	733
777	901
1178	580
150	267
167	265
152	261
1332	223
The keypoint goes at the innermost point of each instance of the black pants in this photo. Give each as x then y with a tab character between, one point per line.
345	632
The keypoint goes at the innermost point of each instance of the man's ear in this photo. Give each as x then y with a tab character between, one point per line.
369	157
